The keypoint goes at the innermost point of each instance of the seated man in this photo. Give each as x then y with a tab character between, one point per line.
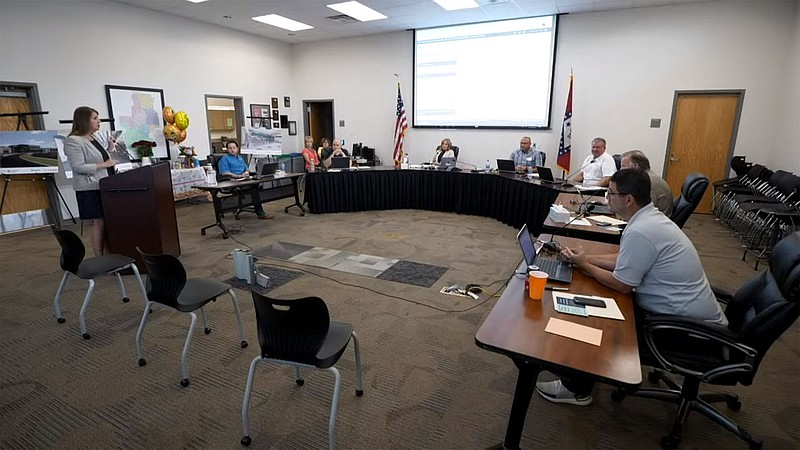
655	259
337	150
234	166
526	156
660	192
598	167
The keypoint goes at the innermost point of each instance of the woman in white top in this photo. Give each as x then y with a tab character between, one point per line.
444	150
90	163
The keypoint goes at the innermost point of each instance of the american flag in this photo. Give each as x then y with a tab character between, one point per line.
565	145
400	127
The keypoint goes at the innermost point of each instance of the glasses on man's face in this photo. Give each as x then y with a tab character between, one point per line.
614	193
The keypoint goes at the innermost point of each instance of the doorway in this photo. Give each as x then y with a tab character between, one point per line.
225	118
319	119
702	137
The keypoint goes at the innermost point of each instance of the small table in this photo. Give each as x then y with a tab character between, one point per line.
515	328
592	232
182	181
275	191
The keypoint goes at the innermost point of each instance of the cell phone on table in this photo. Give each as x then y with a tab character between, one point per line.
586	301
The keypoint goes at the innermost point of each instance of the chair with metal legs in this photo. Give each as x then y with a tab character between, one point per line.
73	261
168	286
300	333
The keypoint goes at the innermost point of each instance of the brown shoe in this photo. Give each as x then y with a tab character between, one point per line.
265	216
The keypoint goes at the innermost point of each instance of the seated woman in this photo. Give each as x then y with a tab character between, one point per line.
309	155
444	150
337	150
324	151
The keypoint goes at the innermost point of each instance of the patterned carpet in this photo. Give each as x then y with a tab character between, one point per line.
427	385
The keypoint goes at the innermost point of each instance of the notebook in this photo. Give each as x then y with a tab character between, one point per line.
505	165
447	162
546	175
340	162
556	270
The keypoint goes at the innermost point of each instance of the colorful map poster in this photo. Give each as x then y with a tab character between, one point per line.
137	112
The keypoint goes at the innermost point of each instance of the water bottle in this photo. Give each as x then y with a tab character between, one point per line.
405	162
488	167
211	177
530	166
282	167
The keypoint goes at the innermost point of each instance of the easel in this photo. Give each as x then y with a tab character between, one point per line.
262	121
52	190
22	117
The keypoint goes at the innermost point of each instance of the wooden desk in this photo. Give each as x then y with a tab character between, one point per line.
515	328
572	201
270	188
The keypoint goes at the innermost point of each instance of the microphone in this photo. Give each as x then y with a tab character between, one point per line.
474	167
554	246
566	180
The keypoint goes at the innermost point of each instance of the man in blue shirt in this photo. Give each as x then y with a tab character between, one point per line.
521	155
234	166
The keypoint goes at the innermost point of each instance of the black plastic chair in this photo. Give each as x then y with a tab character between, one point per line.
300	333
758	314
73	262
692	190
168	286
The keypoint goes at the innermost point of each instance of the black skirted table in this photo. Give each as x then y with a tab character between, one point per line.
508	198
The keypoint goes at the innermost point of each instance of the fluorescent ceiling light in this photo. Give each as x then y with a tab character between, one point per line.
452	5
197	1
357	11
282	22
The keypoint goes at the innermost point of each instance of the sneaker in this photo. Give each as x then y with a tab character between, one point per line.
265	215
555	392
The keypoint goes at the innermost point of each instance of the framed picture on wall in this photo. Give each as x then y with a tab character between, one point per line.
276	124
275	115
274	102
292	128
286	102
138	112
260	116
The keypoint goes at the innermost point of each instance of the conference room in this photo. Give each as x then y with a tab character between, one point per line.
426	384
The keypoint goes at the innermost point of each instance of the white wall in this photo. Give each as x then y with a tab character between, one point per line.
627	65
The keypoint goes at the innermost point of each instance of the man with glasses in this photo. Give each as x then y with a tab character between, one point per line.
655	260
597	167
660	192
526	157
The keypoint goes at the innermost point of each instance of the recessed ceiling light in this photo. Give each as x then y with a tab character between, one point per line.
357	11
282	22
197	1
452	5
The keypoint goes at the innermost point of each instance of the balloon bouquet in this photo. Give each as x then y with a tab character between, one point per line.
175	131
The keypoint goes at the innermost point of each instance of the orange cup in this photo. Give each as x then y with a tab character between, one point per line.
537	281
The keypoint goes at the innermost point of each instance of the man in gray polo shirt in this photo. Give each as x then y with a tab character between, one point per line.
660	192
655	259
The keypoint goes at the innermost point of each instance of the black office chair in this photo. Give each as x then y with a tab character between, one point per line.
760	311
300	333
73	262
618	161
694	186
439	156
168	286
238	194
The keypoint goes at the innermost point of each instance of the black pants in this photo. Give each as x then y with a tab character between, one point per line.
583	385
256	199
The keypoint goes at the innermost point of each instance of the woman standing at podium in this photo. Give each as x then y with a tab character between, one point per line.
90	163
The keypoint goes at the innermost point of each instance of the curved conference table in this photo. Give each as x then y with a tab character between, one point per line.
509	198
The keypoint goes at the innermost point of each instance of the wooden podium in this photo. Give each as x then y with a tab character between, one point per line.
140	212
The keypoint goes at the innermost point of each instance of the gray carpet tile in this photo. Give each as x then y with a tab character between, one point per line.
417	274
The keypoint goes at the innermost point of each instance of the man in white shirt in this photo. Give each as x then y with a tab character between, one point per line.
597	167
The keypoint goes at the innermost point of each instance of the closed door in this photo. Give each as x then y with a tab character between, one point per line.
702	138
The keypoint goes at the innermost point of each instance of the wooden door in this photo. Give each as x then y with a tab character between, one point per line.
702	138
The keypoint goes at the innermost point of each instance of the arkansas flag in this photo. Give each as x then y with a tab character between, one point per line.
565	145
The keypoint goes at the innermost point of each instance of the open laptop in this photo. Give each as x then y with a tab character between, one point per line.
556	270
264	168
505	165
447	162
340	162
546	175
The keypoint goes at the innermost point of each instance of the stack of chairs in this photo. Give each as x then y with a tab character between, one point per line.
760	206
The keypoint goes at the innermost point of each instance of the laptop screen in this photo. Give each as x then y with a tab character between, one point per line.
545	173
448	162
527	245
505	165
340	162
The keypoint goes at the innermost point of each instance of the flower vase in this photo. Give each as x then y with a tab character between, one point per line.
146	161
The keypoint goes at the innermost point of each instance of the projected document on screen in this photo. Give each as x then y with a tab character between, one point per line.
493	74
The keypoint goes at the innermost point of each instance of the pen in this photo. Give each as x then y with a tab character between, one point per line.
555	288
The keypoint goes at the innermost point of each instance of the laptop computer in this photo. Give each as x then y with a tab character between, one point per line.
340	162
556	270
506	165
546	175
447	162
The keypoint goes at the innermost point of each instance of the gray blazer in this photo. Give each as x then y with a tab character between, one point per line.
83	156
